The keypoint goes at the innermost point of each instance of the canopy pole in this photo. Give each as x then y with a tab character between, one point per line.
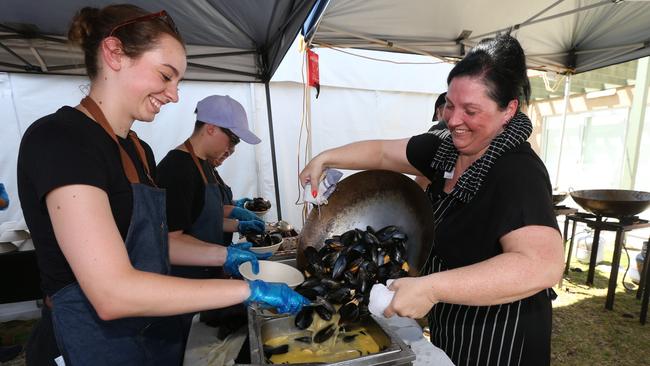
278	207
381	42
635	124
567	90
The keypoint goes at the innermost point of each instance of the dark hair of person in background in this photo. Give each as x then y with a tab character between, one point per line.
91	25
501	64
439	103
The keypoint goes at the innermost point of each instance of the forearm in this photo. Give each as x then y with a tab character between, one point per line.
140	293
371	154
187	250
504	278
230	226
3	203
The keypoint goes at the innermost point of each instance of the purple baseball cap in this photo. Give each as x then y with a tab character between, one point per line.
223	111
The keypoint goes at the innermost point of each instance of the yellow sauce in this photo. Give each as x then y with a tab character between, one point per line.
328	352
332	350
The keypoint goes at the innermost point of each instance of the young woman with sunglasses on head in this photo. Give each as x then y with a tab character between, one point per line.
98	221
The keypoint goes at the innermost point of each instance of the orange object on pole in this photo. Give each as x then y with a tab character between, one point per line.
313	78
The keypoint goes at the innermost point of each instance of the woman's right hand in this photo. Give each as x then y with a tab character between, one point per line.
277	295
312	173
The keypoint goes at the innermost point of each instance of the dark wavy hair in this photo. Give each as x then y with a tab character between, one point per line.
501	64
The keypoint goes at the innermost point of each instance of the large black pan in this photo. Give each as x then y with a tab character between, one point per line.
377	198
612	202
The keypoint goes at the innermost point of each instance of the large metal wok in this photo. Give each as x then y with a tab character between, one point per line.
558	197
377	198
612	202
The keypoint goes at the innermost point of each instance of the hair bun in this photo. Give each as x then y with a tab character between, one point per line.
82	25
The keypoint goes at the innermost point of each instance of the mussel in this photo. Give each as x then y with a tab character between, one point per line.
304	318
324	334
278	350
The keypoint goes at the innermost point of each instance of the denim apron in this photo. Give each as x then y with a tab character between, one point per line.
208	226
226	195
84	338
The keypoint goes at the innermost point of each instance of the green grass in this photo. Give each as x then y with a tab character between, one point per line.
585	333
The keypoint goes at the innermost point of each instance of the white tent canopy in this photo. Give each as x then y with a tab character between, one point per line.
564	36
384	100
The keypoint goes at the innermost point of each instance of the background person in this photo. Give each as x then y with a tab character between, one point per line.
96	218
199	207
497	248
196	200
440	127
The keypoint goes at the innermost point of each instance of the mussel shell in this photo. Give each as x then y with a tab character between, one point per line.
339	266
323	312
304	318
278	350
307	292
349	313
349	237
370	239
315	265
386	232
309	283
324	334
340	296
330	284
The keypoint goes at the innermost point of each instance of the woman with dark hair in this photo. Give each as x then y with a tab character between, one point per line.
497	249
86	185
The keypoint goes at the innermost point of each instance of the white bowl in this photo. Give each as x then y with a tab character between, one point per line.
267	249
260	213
271	271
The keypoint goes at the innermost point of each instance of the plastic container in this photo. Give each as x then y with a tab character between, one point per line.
640	258
584	241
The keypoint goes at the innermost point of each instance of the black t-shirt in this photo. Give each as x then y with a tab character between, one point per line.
68	148
516	192
177	173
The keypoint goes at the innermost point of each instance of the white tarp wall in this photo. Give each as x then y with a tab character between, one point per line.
359	99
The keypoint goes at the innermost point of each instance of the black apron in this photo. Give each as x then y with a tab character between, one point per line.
84	338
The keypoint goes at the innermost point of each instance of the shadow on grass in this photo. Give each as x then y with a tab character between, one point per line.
585	333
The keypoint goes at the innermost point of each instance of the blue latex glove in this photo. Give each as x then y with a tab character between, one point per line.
243	214
253	226
241	202
235	257
4	196
277	295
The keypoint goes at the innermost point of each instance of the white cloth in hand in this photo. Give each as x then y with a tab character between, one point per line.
380	298
325	188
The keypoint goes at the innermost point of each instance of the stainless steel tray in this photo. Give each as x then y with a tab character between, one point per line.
395	353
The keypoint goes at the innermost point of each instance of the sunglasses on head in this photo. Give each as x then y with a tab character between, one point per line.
162	15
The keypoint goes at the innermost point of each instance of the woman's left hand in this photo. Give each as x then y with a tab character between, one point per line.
413	298
243	214
236	257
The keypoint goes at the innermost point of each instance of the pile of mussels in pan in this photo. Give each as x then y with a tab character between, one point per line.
344	270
